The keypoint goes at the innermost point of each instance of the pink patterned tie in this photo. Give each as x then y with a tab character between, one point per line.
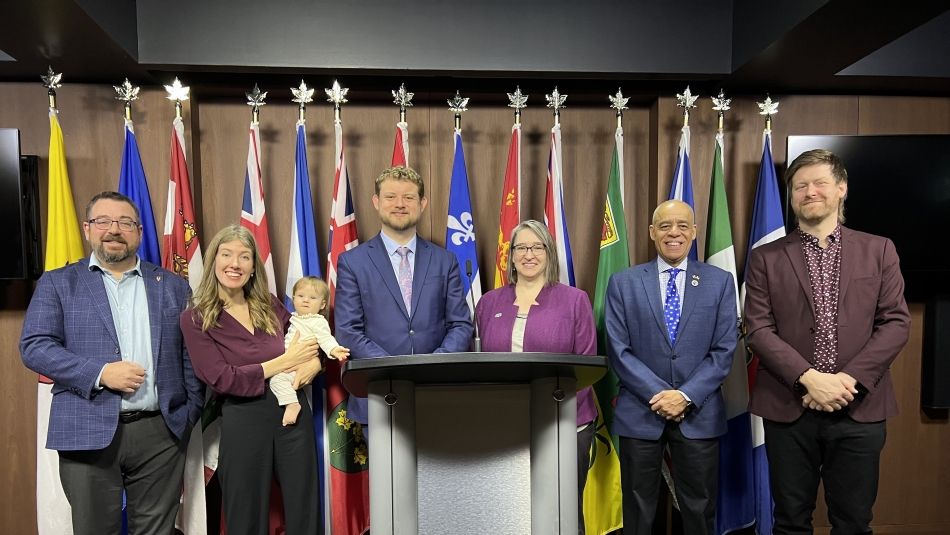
405	276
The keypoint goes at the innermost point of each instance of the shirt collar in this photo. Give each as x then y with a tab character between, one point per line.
391	245
663	266
95	264
833	238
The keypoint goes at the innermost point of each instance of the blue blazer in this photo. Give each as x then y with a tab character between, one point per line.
69	335
641	355
370	315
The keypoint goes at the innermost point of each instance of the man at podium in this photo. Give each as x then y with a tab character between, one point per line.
398	294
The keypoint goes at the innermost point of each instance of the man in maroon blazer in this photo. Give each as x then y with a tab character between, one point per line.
825	313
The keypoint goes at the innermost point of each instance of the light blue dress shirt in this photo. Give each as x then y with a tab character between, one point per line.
662	266
394	257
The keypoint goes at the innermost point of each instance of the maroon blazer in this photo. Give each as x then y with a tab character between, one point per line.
873	323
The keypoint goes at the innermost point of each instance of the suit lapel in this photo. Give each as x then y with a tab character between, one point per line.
377	253
92	279
154	283
420	268
690	293
793	248
650	278
848	261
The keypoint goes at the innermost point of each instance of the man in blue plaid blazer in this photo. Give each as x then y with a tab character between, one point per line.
105	331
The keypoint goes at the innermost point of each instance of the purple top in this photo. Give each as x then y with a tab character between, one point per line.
561	322
227	357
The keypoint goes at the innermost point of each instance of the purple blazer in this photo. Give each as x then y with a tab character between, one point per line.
561	322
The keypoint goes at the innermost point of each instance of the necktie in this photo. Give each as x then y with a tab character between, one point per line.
405	276
671	311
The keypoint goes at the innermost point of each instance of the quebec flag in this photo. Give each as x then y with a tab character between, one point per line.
460	228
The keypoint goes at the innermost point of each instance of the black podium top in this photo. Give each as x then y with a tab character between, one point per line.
472	368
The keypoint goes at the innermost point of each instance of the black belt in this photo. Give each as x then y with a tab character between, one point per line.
134	416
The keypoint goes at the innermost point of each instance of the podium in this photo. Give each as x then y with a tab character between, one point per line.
473	443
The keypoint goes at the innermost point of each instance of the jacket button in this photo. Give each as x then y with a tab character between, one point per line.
674	357
411	332
116	351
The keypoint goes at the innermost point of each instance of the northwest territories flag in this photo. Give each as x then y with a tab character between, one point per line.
460	229
133	185
682	188
768	225
554	216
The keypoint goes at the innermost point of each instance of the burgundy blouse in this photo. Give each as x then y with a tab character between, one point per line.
227	357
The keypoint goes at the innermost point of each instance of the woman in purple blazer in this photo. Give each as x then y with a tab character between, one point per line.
535	312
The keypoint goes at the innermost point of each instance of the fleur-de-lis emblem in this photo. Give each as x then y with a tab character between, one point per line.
464	228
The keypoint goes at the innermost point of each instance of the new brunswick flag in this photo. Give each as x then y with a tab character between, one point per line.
510	213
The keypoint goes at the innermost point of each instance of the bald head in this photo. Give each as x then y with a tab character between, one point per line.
673	231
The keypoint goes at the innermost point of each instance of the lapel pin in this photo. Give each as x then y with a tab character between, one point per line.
158	278
498	314
694	282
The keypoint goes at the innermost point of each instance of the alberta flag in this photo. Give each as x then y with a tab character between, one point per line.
682	188
460	228
735	507
132	184
768	225
253	216
554	216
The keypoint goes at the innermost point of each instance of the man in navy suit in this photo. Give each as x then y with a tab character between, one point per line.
398	294
105	330
671	328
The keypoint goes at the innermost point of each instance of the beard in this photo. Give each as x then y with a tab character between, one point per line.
116	257
400	225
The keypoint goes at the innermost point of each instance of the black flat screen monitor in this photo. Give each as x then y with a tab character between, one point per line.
898	187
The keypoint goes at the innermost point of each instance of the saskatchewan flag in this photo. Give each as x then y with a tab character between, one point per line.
602	498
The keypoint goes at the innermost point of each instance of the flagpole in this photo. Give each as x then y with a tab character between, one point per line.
337	96
458	105
556	102
404	99
177	93
302	96
686	100
768	108
127	93
721	104
518	101
255	99
52	81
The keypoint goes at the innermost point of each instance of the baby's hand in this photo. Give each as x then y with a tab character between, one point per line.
340	353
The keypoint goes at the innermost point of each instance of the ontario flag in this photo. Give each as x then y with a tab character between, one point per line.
510	212
63	247
401	145
682	188
554	216
133	185
348	458
735	507
768	224
253	216
181	254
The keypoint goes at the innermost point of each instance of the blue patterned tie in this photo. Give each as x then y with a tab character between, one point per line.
405	276
671	311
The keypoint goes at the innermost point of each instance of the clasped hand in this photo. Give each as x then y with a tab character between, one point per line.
669	404
827	392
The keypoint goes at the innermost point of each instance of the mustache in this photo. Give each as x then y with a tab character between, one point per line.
115	238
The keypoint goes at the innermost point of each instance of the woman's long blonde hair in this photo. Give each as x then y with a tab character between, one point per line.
207	302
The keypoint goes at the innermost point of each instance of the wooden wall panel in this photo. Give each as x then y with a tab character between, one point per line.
916	460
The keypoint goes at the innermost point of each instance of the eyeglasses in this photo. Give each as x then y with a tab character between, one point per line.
105	223
537	249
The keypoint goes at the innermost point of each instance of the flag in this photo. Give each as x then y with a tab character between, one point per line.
554	216
602	495
253	216
768	224
305	261
181	254
348	459
510	212
401	145
63	246
133	185
682	188
460	227
735	506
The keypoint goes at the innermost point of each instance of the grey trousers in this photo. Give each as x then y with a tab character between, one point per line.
146	460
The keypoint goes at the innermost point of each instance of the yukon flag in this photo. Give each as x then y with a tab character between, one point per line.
305	261
768	224
682	188
460	227
554	216
510	213
602	496
348	457
63	246
401	145
181	254
132	184
735	506
253	216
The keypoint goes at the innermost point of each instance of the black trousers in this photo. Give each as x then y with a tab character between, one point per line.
695	471
584	439
146	460
842	453
254	448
